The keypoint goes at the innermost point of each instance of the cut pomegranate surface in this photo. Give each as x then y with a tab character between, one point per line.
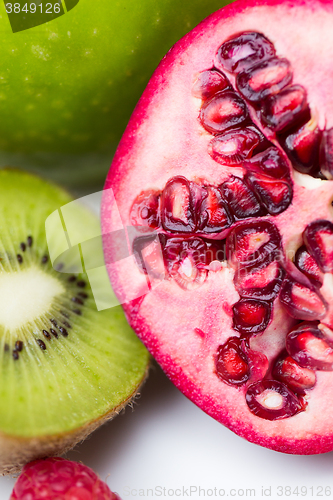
225	171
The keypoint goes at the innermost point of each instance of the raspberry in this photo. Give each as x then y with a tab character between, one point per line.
60	479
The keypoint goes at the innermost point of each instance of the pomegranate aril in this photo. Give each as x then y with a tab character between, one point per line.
326	154
213	215
186	261
231	363
326	330
209	83
145	209
260	282
149	255
258	361
264	79
251	243
297	377
251	316
222	111
275	195
309	347
302	147
236	145
240	199
215	251
271	163
243	51
177	206
272	400
318	238
308	266
285	109
301	301
174	249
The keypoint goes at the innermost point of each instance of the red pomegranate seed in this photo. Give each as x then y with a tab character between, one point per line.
271	163
302	147
215	251
236	145
148	251
231	363
145	209
285	109
177	206
209	83
186	261
264	79
251	316
308	266
318	238
275	195
222	111
213	216
301	301
258	361
310	348
326	153
240	199
243	51
251	243
272	400
297	377
260	282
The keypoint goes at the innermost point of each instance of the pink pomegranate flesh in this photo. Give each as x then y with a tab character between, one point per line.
218	220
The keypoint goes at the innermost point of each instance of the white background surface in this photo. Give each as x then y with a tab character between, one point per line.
166	441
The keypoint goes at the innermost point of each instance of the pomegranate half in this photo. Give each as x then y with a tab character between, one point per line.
218	215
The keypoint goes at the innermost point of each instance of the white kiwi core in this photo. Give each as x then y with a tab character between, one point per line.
25	295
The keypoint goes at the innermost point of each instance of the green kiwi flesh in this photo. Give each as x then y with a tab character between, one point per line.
65	367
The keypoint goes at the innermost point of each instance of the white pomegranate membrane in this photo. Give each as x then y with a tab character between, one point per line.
260	129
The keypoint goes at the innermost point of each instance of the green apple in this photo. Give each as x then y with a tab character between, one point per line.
68	86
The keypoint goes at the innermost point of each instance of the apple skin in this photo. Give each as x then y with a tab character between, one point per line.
69	86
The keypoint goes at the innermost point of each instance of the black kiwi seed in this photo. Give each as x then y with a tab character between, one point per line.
77	301
29	241
19	258
23	247
54	322
67	324
81	284
71	279
77	311
45	258
46	334
6	348
54	333
15	355
41	344
18	345
63	331
64	314
83	295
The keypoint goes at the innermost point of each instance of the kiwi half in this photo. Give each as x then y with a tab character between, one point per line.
65	367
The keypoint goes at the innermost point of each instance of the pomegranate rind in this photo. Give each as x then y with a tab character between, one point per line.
162	315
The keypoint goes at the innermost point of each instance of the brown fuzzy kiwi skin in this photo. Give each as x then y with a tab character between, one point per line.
15	452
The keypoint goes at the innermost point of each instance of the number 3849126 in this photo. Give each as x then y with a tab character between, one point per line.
48	8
